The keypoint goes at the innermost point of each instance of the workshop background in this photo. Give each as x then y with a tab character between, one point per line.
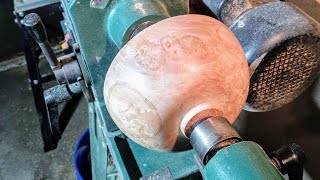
21	153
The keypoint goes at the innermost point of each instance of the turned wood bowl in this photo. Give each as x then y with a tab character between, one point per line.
173	74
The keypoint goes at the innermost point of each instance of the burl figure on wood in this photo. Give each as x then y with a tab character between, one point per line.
173	74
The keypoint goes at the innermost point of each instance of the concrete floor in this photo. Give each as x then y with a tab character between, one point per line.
21	154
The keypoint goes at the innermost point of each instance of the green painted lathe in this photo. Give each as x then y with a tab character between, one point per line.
97	31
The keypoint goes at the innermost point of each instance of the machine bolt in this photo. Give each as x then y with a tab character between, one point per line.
288	158
35	82
21	14
93	4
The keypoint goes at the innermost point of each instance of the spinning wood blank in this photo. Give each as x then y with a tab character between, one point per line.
171	75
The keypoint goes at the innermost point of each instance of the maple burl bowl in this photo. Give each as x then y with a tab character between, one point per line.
173	74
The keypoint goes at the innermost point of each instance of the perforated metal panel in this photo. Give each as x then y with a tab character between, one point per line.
284	73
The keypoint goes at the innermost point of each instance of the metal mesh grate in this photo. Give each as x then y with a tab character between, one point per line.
284	73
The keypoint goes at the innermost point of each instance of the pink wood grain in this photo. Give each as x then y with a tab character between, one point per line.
176	71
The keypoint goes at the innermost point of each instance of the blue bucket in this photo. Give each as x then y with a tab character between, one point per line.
81	158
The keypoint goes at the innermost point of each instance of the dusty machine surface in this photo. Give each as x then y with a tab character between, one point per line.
164	86
281	44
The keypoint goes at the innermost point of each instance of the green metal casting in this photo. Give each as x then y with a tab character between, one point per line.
100	32
241	161
126	15
97	46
